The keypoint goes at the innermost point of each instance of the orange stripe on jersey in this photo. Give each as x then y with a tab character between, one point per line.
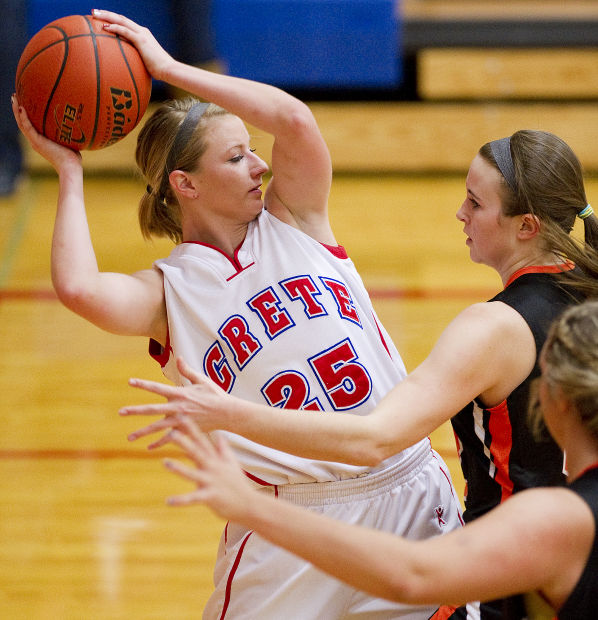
567	266
501	432
443	613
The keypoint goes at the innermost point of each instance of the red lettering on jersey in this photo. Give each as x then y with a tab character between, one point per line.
304	288
344	301
267	306
290	390
217	368
346	382
243	344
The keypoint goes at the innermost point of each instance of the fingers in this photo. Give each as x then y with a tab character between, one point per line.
160	425
186	499
167	409
162	389
21	115
161	442
114	18
193	431
198	447
182	470
188	372
188	473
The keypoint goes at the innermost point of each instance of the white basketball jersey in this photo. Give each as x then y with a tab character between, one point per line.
287	322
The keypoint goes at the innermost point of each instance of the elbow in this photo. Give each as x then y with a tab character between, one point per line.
371	453
379	443
376	454
71	294
300	119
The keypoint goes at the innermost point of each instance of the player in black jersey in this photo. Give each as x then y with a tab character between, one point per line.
542	542
523	194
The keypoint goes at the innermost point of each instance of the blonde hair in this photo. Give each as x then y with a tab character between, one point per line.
570	356
159	211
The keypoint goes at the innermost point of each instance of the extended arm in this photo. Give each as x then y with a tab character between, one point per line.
301	167
456	371
538	540
124	304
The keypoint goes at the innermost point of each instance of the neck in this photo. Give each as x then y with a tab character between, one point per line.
582	453
225	238
539	260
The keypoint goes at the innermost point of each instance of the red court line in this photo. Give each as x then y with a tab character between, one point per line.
432	294
83	454
33	295
375	293
106	454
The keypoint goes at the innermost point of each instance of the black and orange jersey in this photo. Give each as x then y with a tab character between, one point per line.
582	601
498	451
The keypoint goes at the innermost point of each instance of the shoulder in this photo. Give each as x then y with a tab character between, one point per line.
490	320
554	516
488	347
314	224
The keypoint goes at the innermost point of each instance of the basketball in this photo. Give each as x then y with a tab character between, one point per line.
81	86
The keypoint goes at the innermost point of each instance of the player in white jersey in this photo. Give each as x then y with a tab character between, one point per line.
259	294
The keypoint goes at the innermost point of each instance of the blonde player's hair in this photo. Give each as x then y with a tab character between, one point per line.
159	211
570	357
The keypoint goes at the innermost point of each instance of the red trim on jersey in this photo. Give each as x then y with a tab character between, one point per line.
258	480
447	475
231	576
540	269
501	432
337	250
234	260
382	337
585	471
158	352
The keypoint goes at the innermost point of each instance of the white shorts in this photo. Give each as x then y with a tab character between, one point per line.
255	580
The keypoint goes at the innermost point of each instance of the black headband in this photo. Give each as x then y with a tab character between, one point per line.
184	133
501	150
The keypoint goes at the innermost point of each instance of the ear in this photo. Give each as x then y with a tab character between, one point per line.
529	226
182	184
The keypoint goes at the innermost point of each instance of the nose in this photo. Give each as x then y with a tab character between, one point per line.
259	166
460	215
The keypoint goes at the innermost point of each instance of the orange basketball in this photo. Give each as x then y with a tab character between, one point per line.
80	85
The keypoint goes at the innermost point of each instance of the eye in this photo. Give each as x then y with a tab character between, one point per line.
237	158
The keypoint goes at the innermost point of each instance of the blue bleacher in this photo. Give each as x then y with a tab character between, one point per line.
291	43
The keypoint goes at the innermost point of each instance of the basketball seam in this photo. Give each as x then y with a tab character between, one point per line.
65	39
98	80
122	51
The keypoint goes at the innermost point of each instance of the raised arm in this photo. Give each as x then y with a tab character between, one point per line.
119	303
456	371
301	167
538	540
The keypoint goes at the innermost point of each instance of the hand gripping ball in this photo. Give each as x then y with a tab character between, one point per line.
81	86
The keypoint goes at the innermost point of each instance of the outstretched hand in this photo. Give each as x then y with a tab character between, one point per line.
155	58
202	400
221	484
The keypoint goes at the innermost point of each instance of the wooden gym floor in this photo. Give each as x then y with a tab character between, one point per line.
84	529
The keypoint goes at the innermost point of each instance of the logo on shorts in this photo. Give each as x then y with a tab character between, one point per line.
439	512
